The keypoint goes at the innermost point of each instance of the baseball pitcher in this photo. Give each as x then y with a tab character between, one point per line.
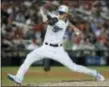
53	47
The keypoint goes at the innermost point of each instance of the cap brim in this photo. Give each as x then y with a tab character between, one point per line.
64	12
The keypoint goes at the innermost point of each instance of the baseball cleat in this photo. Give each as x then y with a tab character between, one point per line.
14	79
100	77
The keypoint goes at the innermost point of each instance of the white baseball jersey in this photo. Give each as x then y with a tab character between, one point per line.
55	33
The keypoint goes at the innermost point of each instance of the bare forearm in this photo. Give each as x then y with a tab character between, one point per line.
43	15
76	30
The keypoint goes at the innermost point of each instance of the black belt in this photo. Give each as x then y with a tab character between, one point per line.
53	45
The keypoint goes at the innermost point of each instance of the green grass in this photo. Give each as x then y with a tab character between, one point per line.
45	77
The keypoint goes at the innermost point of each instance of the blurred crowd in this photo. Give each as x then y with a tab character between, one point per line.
22	26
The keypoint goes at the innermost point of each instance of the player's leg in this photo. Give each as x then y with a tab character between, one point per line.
31	58
65	60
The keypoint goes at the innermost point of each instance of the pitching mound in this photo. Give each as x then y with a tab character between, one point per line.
73	83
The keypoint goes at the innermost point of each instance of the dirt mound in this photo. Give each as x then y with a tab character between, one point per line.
75	83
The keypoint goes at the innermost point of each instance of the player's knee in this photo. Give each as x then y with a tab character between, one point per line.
28	55
28	60
33	55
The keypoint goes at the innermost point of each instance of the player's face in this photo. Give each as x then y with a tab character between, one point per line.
63	14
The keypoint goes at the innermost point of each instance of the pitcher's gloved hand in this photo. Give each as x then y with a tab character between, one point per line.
52	21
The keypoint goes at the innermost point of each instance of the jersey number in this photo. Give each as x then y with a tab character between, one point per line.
56	29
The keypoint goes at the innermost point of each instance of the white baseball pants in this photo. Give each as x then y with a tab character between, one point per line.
55	53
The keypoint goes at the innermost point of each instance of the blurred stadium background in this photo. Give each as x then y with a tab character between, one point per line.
22	31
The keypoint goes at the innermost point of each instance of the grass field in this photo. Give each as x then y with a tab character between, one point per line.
36	76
